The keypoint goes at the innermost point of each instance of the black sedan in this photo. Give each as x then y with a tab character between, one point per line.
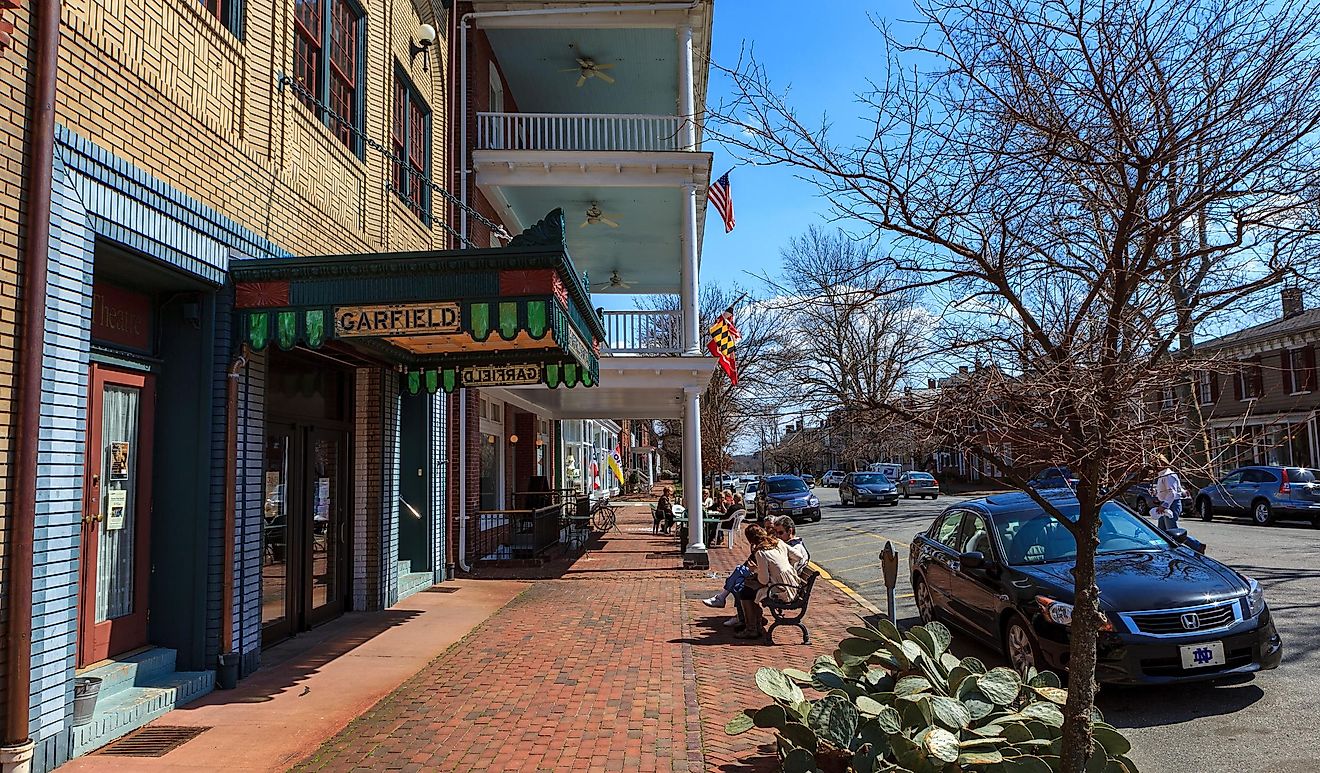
786	495
1000	568
862	488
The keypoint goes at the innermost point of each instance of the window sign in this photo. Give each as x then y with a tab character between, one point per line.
116	503
119	461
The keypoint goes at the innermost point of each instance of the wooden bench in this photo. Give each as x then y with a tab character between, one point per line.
791	612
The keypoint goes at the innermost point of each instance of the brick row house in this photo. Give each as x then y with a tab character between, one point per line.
304	260
1262	406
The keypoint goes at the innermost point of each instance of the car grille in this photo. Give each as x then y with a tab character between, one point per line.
1166	623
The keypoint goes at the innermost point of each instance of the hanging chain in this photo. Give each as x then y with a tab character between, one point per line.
307	96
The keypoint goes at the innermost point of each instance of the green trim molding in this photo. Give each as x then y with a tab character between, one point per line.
528	291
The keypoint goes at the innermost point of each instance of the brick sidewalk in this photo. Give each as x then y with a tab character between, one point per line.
613	664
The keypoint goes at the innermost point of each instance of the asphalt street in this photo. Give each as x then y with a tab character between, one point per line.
1265	723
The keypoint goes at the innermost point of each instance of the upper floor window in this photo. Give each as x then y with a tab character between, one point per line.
227	11
1249	381
1205	387
327	61
1299	370
1167	396
411	146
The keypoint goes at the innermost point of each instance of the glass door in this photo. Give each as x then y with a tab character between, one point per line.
116	523
327	567
304	577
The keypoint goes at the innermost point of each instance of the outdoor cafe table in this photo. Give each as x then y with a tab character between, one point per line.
710	523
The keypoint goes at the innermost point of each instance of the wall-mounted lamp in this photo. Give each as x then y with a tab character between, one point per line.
513	439
490	439
425	39
540	442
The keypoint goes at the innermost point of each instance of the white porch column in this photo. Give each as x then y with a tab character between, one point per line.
692	469
689	295
686	90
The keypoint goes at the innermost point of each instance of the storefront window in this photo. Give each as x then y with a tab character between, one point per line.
491	459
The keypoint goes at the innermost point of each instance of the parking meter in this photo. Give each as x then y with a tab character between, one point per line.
889	566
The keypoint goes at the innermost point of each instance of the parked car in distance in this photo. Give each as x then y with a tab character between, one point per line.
1264	493
1141	497
749	495
1000	569
725	481
1054	478
861	488
832	478
786	495
917	483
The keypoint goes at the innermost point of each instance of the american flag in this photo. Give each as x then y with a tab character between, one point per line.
721	195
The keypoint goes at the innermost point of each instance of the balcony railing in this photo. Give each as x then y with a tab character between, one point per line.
642	332
569	131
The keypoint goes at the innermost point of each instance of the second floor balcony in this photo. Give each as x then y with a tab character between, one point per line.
579	132
642	332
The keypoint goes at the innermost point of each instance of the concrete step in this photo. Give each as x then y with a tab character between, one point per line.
129	670
412	582
131	707
405	567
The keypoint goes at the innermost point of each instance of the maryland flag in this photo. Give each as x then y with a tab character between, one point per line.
724	337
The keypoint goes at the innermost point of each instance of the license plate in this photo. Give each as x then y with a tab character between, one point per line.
797	511
1209	653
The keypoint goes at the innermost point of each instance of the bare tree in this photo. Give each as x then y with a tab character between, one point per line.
848	327
1077	186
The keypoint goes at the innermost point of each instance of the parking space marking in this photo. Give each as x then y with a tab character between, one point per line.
871	553
849	592
878	536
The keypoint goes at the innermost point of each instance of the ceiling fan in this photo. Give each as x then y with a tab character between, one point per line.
596	217
590	68
616	283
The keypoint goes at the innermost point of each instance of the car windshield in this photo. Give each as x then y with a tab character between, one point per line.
870	478
1033	537
787	486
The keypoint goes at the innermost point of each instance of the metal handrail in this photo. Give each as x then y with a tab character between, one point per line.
642	332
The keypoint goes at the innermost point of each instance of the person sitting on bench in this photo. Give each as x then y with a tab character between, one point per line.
781	528
664	510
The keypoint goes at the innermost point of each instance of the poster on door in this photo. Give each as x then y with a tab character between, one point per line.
116	504
119	460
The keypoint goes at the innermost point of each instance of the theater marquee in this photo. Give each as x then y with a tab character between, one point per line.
396	320
502	375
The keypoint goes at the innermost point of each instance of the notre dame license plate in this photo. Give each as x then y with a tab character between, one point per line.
1210	653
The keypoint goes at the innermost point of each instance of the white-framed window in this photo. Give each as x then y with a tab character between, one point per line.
1166	398
1299	373
496	90
1205	387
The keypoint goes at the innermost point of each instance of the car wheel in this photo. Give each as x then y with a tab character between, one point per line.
1261	513
816	519
934	497
894	503
1205	510
1020	646
906	495
925	605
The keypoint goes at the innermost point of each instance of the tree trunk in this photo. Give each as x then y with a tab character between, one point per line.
1082	646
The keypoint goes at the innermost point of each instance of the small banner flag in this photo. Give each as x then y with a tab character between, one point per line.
616	462
724	337
720	194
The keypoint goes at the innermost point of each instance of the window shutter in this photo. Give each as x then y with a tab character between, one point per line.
1285	368
1257	378
1312	375
1239	378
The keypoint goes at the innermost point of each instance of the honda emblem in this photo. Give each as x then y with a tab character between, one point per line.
1190	621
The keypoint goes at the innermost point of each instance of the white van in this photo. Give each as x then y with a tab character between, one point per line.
890	469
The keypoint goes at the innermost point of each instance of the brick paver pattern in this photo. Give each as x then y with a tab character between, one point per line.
606	663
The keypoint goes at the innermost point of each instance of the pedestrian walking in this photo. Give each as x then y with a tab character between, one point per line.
1169	490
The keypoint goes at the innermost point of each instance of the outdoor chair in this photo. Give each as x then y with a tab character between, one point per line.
791	612
732	529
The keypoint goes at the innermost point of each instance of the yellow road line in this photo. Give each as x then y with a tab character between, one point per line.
849	592
878	536
872	553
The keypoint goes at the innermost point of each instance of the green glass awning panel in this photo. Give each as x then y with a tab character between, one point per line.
446	380
258	329
480	321
450	379
315	326
286	329
432	381
509	320
414	382
552	375
537	319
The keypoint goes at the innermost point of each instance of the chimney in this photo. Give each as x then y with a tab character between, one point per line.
1293	303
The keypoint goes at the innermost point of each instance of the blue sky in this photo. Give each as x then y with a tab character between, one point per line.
823	51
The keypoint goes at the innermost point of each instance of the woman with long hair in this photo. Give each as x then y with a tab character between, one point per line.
773	568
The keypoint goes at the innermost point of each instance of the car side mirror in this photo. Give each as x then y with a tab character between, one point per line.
1177	535
973	560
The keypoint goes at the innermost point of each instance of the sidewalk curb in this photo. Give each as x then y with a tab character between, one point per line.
849	592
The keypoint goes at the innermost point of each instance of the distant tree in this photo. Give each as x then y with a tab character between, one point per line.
1077	187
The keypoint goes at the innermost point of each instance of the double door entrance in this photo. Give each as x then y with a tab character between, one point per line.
305	527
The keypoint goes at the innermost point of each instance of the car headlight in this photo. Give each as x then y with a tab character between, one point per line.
776	504
813	501
1255	600
1062	614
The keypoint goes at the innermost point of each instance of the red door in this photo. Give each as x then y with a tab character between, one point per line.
116	524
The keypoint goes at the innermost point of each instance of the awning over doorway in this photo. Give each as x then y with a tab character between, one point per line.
512	315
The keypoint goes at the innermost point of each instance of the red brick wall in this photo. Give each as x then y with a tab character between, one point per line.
480	57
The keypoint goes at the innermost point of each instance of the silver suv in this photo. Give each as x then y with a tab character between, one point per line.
1264	493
